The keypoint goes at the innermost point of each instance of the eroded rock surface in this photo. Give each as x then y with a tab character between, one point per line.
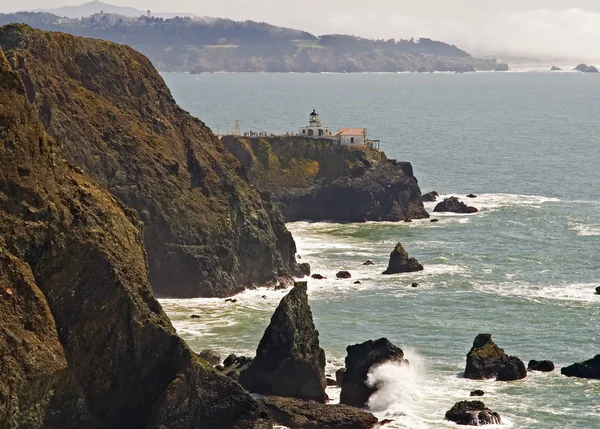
401	263
486	360
472	413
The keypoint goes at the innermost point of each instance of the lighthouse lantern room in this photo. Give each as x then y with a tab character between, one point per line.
315	128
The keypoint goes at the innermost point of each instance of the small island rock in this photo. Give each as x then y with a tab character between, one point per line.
471	196
289	361
584	68
477	393
343	275
543	365
454	205
486	360
369	263
318	277
587	369
554	68
430	197
401	263
472	413
360	359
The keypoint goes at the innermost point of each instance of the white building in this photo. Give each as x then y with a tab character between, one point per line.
315	128
352	136
344	136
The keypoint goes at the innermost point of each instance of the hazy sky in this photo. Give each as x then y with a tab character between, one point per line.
549	28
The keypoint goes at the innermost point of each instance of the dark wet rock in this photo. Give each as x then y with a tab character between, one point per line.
587	369
401	263
339	376
195	316
471	196
477	393
543	365
232	300
430	197
586	69
330	381
369	263
486	360
434	220
343	275
554	68
264	297
318	277
407	221
598	290
361	358
213	357
415	285
302	414
454	205
303	269
289	361
385	422
233	365
357	282
472	413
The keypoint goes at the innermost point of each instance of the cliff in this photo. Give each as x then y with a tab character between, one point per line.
207	231
223	45
83	343
314	179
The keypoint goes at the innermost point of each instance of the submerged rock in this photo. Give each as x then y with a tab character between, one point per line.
369	263
361	358
343	275
587	369
401	263
471	196
486	360
543	365
289	361
477	393
454	205
430	197
318	277
213	357
299	414
472	413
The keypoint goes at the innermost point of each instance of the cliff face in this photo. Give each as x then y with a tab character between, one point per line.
207	232
83	343
313	179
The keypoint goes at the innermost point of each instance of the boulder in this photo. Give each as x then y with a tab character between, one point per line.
434	220
586	69
415	285
303	269
339	376
233	365
454	205
369	263
289	361
554	68
300	414
195	316
471	196
598	290
361	358
429	197
318	277
472	413
401	263
343	275
357	282
543	365
587	369
486	360
477	393
213	357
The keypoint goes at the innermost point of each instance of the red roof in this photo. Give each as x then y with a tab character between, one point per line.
352	131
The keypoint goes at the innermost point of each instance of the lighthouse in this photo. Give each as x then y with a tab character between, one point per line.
315	128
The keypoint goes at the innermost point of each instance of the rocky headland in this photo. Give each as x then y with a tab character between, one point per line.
317	180
207	232
83	342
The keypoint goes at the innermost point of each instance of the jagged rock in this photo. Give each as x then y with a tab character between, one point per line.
401	263
454	205
471	196
233	365
83	342
343	275
361	358
543	366
303	270
472	413
587	369
369	263
317	180
339	376
554	68
331	381
213	357
207	232
318	277
586	69
289	361
430	197
477	393
299	414
486	360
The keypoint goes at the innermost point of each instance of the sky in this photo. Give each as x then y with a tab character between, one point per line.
537	28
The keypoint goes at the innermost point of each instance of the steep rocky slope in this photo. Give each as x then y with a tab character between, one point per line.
313	179
83	343
207	232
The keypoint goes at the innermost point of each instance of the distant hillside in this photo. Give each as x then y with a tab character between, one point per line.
93	7
214	45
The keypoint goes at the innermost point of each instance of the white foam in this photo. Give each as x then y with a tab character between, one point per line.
579	292
585	230
489	202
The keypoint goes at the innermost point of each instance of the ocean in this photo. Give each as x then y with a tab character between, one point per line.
524	268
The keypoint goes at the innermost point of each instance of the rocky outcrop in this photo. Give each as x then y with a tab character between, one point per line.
289	361
554	68
83	342
401	263
486	360
543	366
207	232
587	369
233	365
454	205
299	414
211	356
430	197
586	69
317	180
472	413
361	358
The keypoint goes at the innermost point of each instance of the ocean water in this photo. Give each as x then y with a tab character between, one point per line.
523	269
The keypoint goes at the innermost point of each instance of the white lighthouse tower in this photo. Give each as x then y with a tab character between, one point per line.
315	128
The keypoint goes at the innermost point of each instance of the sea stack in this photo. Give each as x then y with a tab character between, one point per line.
289	361
401	263
486	360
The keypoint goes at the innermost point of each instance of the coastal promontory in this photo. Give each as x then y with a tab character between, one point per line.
316	179
207	232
